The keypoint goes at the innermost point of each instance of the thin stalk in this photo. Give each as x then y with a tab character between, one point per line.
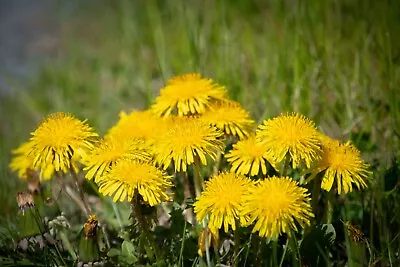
217	163
284	252
329	207
248	249
180	260
68	190
315	196
80	191
237	245
285	168
144	227
208	259
198	180
275	252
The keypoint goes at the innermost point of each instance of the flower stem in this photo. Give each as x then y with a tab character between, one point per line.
144	226
198	180
285	168
237	245
80	191
315	196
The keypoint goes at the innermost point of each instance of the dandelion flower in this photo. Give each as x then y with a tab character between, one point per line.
130	176
143	125
229	117
109	151
221	200
60	140
341	163
274	204
249	157
22	163
185	141
188	94
292	135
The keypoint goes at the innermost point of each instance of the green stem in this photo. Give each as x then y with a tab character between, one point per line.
180	263
285	168
237	245
275	252
284	252
150	243
80	191
208	259
198	179
315	196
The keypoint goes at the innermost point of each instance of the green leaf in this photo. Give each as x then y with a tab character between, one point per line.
316	244
113	252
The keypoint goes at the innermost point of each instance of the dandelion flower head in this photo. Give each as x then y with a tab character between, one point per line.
229	117
60	140
291	135
221	200
185	141
108	151
274	204
188	94
130	176
249	157
142	125
341	162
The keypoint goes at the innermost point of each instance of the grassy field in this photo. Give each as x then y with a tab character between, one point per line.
337	62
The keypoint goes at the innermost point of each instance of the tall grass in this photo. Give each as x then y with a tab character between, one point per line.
335	61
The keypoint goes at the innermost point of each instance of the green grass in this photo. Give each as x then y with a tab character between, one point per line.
337	62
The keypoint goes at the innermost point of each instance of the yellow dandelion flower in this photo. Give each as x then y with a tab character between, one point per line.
221	200
60	140
275	204
229	117
129	176
292	135
187	94
142	125
341	163
185	141
109	151
249	157
22	163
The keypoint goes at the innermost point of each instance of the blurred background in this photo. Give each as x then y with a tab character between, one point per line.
335	61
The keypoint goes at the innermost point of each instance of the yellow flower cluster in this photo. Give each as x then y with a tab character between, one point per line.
188	124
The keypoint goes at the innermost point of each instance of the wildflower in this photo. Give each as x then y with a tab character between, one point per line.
22	163
109	151
59	141
292	135
142	125
129	176
341	163
221	200
188	94
249	157
229	117
185	141
275	204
